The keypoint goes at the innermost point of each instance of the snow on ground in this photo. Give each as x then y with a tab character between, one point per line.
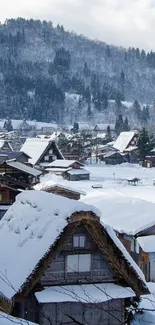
6	319
147	305
113	177
116	198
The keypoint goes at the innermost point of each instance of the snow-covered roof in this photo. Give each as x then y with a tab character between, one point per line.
2	143
56	169
4	207
147	243
63	163
80	171
51	184
84	126
85	293
27	231
125	214
23	167
6	319
123	140
16	124
103	126
35	147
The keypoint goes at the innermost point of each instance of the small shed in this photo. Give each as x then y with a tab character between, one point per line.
149	162
60	189
77	175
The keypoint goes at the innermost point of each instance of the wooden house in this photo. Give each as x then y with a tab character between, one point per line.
72	170
17	155
41	151
63	190
5	146
72	268
79	174
19	174
59	166
149	162
127	141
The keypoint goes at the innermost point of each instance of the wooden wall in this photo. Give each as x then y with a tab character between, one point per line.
4	193
107	313
57	271
64	192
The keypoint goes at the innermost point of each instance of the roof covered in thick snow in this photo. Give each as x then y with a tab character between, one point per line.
79	171
23	167
123	140
63	163
125	214
27	231
85	293
43	186
35	147
147	243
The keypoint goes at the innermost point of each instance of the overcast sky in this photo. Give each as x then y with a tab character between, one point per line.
119	22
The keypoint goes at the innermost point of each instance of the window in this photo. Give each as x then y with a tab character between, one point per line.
78	263
51	152
1	197
54	157
78	241
46	158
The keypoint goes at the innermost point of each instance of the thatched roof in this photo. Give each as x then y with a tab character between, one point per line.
34	231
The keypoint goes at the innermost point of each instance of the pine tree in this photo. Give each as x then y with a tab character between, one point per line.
144	144
119	125
75	127
108	134
86	70
122	83
137	109
126	125
8	125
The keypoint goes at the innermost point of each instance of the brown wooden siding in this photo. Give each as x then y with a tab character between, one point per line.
110	312
100	270
64	192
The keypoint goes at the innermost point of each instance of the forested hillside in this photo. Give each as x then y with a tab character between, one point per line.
49	74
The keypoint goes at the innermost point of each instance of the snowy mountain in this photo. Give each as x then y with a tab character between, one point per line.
49	74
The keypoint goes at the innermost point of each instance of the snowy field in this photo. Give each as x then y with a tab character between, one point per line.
114	178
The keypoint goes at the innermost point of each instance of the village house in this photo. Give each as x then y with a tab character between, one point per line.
14	178
41	151
60	189
149	161
5	146
72	170
72	267
127	143
132	219
17	155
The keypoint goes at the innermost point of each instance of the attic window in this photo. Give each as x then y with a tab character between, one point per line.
46	158
1	197
78	241
51	152
78	263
